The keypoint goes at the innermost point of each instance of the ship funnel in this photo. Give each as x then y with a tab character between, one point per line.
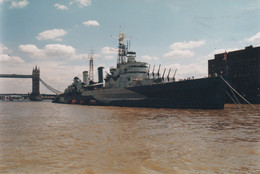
100	74
85	77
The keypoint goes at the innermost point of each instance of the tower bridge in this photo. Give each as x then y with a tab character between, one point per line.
35	95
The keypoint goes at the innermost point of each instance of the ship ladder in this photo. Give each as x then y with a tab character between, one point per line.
239	94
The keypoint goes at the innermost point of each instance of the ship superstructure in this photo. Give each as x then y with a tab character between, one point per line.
131	84
128	72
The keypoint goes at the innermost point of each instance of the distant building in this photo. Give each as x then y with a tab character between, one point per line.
242	70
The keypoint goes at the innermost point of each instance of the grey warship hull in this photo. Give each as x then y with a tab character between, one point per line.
204	93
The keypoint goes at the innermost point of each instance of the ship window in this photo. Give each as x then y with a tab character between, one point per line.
140	66
135	72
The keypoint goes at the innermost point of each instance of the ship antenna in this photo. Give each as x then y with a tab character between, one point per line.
121	49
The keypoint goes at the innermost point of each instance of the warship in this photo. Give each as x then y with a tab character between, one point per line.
131	84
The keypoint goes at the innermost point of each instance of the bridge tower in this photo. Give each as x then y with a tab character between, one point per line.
35	95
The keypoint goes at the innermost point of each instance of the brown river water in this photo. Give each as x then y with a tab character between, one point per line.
42	137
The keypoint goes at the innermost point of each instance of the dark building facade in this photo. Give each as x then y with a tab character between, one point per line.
241	69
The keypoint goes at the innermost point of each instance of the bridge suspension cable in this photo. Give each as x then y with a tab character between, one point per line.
50	88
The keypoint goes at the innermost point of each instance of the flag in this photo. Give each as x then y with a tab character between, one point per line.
225	59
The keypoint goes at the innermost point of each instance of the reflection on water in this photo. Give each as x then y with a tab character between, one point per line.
42	137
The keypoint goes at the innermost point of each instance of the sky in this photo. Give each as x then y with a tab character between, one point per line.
57	36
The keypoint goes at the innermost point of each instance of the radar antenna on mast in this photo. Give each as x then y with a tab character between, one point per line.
122	48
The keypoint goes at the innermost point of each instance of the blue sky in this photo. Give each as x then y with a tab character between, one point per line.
57	35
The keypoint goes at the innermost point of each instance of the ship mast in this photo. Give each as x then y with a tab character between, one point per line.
122	49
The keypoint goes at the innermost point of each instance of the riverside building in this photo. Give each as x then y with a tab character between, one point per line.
241	68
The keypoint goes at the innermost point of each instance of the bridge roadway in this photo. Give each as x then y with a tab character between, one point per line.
43	96
35	77
15	76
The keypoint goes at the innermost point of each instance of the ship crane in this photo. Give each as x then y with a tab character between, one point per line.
168	76
158	73
163	74
148	72
174	74
153	71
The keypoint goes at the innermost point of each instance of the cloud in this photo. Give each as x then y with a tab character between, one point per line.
91	23
79	56
81	3
49	51
3	48
187	45
2	1
180	49
19	4
254	39
147	57
58	50
109	57
54	34
60	7
32	50
109	52
5	56
188	70
175	54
